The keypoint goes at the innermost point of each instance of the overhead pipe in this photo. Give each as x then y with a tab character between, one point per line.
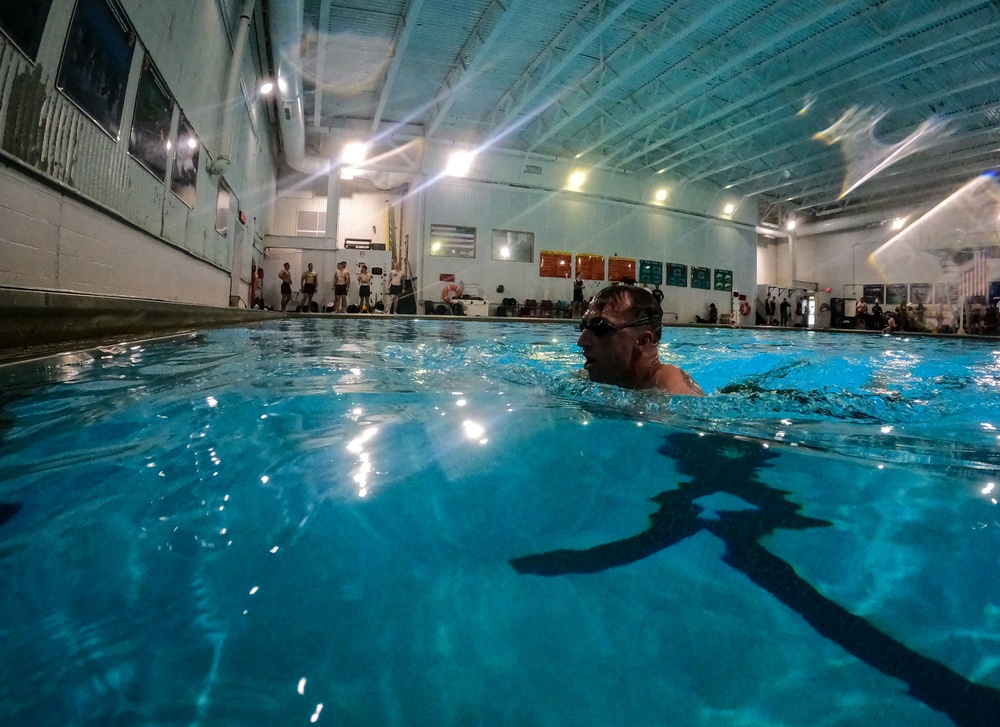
222	161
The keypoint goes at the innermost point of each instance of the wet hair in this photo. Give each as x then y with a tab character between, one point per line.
639	300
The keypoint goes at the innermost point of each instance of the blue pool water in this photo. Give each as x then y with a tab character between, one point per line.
396	522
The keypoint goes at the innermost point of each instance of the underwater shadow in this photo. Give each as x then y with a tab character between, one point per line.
716	463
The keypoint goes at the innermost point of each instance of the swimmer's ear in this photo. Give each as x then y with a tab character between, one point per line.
644	339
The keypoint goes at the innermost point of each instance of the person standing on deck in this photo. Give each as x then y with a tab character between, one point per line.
395	286
308	282
341	283
364	290
286	285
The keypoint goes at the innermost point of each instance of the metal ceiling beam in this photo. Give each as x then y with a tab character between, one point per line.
656	25
476	50
542	60
916	102
570	56
407	23
703	80
952	10
781	113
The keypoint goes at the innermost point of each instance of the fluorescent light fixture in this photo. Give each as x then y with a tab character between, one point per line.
790	225
729	208
661	194
577	178
897	224
459	163
354	153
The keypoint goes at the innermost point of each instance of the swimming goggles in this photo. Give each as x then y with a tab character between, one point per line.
601	327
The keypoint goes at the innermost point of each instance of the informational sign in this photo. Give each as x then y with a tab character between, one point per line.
895	294
874	294
651	272
701	278
621	269
723	279
590	267
555	264
920	293
677	274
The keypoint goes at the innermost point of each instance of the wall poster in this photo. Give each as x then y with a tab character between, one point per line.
621	269
701	278
920	293
23	22
874	294
154	108
453	241
723	279
184	174
590	267
555	264
650	272
895	294
95	63
946	293
677	275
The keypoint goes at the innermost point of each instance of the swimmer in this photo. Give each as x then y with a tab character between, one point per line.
620	335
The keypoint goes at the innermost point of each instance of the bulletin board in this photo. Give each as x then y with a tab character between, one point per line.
895	293
723	279
555	264
651	272
590	267
621	268
701	278
677	275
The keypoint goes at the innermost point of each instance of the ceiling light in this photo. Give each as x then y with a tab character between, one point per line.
577	178
354	153
897	224
347	173
661	194
459	163
729	208
266	88
790	225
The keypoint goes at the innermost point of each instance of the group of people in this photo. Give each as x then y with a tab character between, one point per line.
772	309
341	287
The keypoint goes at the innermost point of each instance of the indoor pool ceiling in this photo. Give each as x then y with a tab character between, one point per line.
732	92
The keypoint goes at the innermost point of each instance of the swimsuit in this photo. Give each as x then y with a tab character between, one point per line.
286	288
340	290
364	291
395	289
309	288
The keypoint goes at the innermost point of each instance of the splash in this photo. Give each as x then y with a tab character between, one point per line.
865	155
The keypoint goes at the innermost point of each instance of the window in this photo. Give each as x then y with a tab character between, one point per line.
512	246
23	21
309	223
95	63
222	209
149	141
184	174
453	241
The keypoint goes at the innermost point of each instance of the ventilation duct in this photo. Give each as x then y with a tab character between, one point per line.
286	42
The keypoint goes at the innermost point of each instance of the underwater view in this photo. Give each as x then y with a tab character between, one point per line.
440	522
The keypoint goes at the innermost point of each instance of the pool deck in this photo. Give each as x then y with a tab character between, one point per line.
39	324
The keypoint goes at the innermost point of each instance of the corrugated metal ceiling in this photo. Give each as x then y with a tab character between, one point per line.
732	92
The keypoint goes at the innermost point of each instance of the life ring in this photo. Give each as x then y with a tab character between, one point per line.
447	290
745	308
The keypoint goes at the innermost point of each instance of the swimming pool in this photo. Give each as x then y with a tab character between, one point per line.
411	522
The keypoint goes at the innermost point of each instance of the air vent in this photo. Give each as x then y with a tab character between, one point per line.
532	169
